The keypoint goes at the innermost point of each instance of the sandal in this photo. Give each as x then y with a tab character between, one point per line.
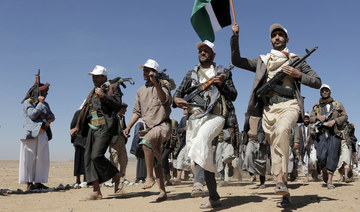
330	186
148	185
281	189
197	190
175	181
210	204
348	180
120	189
284	203
161	198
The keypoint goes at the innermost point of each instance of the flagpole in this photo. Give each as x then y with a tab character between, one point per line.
233	11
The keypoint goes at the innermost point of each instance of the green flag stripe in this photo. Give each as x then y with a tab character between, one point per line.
200	21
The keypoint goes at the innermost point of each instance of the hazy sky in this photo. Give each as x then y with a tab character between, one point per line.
66	39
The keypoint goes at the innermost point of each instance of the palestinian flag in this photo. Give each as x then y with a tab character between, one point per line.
209	16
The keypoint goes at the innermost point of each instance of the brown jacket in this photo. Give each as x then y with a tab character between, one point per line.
255	107
339	115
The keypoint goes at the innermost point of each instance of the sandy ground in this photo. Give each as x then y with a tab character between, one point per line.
237	196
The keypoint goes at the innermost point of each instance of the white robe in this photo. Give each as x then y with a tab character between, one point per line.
34	160
199	136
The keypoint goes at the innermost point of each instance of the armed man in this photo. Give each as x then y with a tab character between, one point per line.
97	120
153	106
281	109
331	115
208	110
34	159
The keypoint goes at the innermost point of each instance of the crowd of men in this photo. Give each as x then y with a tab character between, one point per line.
207	140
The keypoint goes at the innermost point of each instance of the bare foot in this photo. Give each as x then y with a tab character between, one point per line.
95	196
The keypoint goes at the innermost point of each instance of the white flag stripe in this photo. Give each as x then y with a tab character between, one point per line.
213	19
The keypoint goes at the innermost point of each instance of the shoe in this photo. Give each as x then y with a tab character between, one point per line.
30	187
107	184
75	186
40	186
83	185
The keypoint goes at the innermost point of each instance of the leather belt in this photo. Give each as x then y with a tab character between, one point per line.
277	99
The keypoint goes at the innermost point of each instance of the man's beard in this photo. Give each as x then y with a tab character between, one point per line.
205	62
306	123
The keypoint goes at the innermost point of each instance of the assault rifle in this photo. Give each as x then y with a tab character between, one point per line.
161	75
273	84
34	97
203	86
119	81
122	80
316	126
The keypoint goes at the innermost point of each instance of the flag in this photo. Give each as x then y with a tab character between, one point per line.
209	16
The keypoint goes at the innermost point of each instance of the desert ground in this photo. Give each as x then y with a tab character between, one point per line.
237	196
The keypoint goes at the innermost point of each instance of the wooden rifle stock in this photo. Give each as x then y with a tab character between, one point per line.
204	86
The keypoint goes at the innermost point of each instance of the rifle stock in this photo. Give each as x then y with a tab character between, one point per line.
203	86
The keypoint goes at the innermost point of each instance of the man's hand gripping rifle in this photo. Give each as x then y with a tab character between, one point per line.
274	83
196	90
316	126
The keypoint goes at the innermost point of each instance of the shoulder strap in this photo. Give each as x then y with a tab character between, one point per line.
203	74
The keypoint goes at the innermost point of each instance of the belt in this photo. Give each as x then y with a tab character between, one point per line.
277	99
98	121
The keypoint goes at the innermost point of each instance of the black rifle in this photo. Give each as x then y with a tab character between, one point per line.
161	75
195	90
115	83
121	81
273	84
316	126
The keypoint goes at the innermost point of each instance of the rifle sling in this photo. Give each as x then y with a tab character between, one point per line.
203	74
